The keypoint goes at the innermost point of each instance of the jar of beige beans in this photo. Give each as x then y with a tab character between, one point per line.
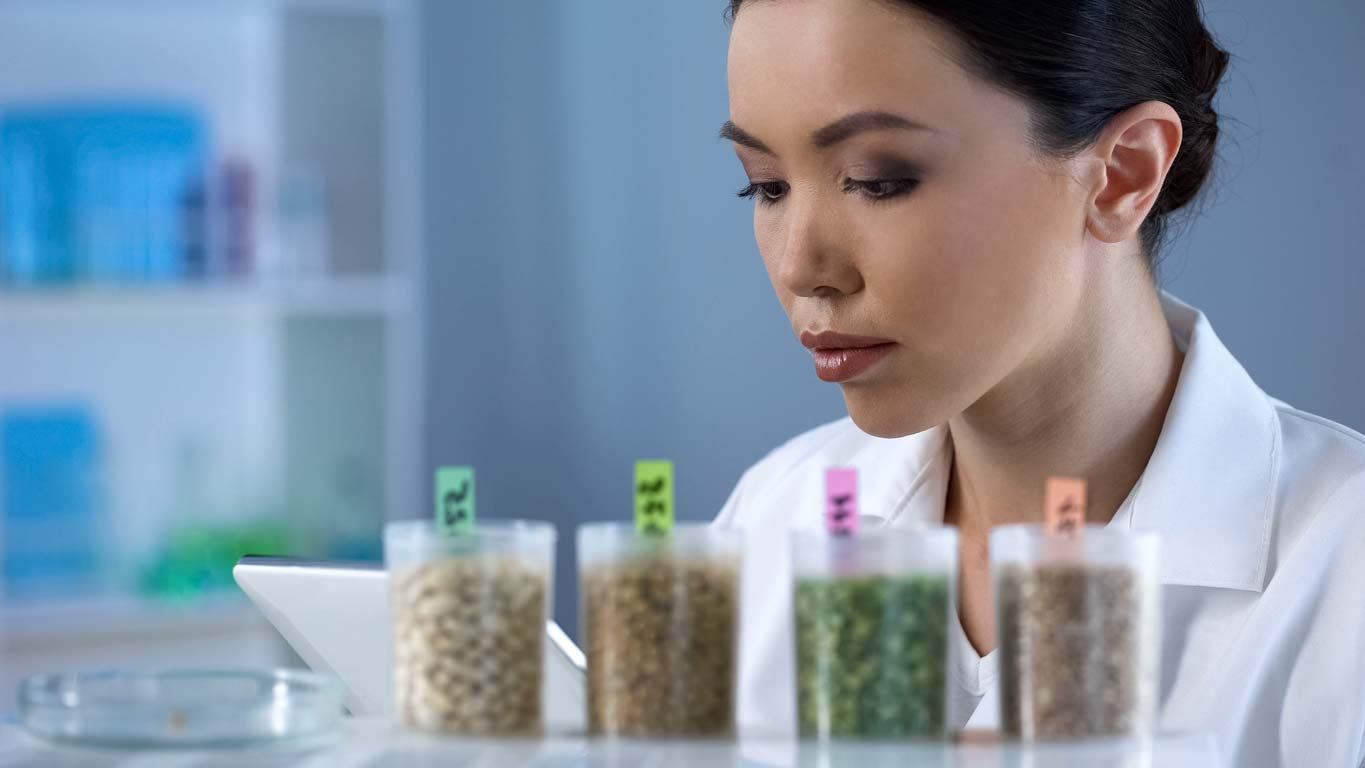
469	613
660	619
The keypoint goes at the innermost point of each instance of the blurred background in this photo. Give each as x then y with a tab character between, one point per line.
265	264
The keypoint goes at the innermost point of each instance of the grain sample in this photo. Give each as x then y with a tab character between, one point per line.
468	646
871	656
1076	659
661	633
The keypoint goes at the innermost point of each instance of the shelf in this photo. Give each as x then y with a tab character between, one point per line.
316	297
84	621
359	295
364	7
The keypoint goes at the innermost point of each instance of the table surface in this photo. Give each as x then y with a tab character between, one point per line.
373	743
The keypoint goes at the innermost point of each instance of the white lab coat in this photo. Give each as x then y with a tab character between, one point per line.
1261	513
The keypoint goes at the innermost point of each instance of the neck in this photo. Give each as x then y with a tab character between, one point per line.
1090	404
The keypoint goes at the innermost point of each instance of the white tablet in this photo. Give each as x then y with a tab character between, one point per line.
335	615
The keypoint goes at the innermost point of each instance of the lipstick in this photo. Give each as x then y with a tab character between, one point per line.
841	357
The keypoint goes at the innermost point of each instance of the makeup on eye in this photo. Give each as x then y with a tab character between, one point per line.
877	176
881	189
875	189
766	192
882	178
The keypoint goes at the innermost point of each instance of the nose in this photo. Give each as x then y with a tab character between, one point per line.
813	260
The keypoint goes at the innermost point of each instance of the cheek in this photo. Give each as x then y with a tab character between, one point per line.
771	238
975	264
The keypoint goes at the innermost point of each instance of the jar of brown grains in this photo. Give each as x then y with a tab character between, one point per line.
1079	628
660	620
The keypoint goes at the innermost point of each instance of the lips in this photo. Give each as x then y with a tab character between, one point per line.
840	357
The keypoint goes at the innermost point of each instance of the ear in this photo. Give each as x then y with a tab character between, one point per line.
1135	152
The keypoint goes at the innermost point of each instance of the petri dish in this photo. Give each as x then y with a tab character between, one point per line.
181	709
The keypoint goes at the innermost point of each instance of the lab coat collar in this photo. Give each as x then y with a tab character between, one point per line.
1208	488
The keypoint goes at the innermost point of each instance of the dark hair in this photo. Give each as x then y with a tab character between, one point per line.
1079	63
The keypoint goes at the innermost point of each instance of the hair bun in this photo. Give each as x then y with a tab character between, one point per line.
1211	63
1199	121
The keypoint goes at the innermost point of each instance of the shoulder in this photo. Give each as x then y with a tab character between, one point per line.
1320	550
816	446
794	465
1321	488
823	444
1315	451
1318	431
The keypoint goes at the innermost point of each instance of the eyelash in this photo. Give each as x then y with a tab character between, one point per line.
875	190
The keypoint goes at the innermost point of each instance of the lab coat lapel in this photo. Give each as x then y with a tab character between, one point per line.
1208	489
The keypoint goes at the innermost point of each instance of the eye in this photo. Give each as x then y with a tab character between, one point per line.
880	189
767	192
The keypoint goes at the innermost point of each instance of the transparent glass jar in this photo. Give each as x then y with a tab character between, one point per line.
872	612
469	615
1079	630
660	618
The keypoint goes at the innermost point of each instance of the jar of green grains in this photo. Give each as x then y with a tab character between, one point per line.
872	612
1079	623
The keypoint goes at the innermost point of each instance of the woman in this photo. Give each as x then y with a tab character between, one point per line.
959	205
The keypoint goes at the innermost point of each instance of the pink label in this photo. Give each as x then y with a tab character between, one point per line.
841	500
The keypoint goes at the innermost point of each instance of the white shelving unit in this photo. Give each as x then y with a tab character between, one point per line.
378	296
300	389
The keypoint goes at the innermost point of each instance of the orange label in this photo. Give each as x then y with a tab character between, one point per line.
1064	506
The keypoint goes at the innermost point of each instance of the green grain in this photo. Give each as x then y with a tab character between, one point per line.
871	656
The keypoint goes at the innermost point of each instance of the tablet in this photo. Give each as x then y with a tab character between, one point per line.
335	615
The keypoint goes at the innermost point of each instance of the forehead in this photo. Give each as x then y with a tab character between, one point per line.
796	65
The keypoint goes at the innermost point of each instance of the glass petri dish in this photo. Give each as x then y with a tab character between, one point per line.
181	709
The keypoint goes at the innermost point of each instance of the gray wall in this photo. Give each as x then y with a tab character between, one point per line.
595	294
1276	258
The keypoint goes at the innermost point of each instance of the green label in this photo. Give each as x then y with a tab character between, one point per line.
654	497
455	499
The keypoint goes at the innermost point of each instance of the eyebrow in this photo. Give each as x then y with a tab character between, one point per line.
842	129
860	122
728	130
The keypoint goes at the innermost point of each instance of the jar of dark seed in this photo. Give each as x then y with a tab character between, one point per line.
871	617
660	620
1079	629
469	614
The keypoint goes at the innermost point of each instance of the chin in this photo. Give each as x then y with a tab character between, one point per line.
885	415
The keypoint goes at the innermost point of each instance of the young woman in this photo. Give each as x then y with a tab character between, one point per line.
959	204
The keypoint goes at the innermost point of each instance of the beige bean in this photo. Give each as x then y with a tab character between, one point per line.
453	620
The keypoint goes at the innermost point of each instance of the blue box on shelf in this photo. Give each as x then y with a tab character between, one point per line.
100	192
50	497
